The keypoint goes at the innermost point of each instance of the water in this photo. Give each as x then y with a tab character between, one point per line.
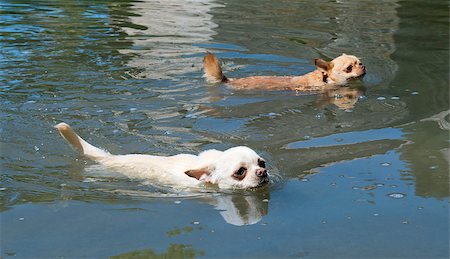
362	177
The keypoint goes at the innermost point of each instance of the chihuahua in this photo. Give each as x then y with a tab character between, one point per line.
235	168
333	73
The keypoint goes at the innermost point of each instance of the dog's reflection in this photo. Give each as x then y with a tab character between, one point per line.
242	209
344	98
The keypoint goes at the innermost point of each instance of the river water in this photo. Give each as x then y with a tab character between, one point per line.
359	177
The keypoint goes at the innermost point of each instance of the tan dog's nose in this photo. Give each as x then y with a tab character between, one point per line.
262	172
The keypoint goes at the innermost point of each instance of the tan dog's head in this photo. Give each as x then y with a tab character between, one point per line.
340	69
237	167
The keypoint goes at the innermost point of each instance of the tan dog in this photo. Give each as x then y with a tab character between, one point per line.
333	73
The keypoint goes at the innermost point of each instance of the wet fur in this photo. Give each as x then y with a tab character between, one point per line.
333	73
183	170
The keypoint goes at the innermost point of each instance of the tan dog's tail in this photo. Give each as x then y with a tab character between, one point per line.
80	144
212	69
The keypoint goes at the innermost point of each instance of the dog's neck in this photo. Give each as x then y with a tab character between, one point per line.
314	80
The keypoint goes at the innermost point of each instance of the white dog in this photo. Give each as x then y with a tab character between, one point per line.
237	167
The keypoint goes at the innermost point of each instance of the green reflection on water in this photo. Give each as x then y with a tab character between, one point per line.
173	251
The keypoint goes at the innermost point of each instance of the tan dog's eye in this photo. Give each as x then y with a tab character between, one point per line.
240	174
349	69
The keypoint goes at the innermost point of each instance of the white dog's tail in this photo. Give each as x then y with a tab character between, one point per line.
80	144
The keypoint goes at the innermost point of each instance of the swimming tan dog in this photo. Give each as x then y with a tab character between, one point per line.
237	167
333	73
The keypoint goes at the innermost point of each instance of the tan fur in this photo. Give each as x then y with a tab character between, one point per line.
67	133
198	173
213	70
333	73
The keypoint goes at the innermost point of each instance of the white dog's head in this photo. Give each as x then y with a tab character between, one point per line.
237	167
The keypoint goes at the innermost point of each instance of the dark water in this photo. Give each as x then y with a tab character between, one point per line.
367	177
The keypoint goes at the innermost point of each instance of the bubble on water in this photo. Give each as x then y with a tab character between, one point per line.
36	148
99	111
385	164
177	202
307	137
376	214
89	180
415	93
2	189
434	167
356	188
265	200
397	195
381	98
379	184
133	109
405	222
304	180
21	219
318	116
420	208
196	222
191	116
395	98
324	222
362	97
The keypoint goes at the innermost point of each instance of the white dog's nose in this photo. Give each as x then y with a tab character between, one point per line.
262	172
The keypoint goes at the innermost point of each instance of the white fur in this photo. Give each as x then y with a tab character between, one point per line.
171	170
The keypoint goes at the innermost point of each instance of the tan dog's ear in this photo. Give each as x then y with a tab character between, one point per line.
323	65
201	174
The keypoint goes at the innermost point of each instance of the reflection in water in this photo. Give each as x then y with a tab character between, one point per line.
344	98
430	166
173	251
164	42
240	210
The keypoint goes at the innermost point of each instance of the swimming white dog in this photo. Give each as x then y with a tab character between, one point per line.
238	167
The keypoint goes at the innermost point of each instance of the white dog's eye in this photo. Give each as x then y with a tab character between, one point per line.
262	163
240	174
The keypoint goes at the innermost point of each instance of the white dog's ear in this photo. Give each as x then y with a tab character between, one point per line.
323	65
202	174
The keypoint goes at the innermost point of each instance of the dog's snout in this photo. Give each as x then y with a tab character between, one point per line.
262	172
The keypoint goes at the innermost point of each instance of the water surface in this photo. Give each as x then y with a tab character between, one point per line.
362	177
